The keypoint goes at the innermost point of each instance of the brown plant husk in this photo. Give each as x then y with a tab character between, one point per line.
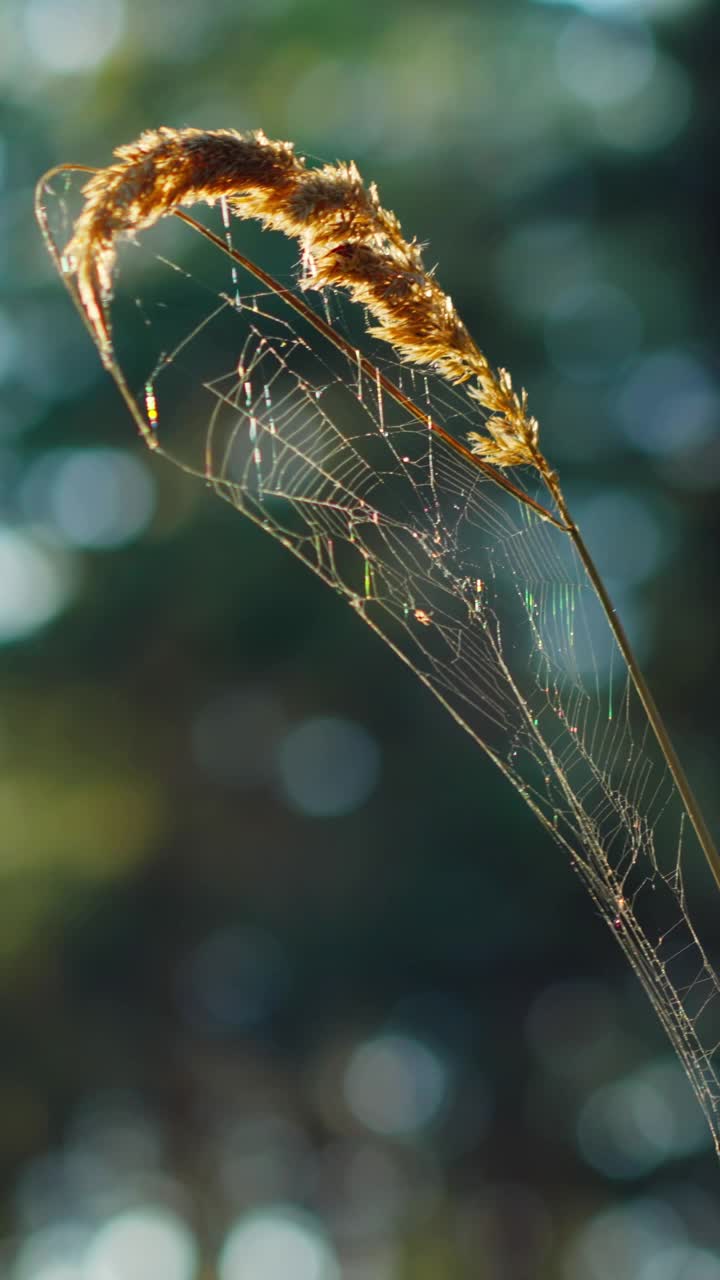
347	240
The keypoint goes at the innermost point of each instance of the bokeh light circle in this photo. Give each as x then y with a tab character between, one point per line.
144	1244
36	582
72	35
328	766
395	1084
277	1243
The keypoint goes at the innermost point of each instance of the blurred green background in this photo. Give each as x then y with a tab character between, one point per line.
291	984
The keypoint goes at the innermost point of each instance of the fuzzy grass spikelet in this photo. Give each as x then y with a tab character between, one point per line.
347	240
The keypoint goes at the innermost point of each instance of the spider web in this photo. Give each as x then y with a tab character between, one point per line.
483	598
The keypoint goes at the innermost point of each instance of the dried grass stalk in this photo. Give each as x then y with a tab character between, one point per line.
346	238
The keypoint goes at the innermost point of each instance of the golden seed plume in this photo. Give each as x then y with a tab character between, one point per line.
347	240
